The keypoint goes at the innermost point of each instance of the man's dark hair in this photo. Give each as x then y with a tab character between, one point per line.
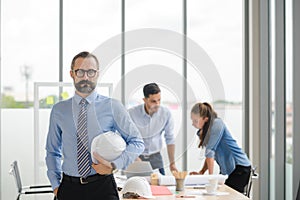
84	54
150	89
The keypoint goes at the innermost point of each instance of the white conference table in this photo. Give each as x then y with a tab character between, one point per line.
188	194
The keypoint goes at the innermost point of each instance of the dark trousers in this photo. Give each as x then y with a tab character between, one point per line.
103	188
155	160
239	178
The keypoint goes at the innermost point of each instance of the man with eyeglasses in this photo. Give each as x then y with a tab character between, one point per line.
73	125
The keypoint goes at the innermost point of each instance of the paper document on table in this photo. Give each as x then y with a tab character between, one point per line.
192	179
203	192
167	180
204	179
160	190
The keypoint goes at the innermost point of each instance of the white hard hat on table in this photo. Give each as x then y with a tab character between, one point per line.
138	185
108	145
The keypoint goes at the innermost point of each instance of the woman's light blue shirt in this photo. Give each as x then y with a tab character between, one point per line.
224	149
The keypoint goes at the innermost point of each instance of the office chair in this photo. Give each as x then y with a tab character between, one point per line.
38	189
253	175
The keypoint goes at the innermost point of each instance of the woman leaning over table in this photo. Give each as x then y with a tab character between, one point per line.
220	146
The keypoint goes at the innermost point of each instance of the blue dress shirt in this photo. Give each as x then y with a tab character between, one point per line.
104	114
153	127
224	149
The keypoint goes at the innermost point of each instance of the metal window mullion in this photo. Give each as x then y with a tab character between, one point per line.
123	52
184	94
296	95
61	50
279	100
246	87
264	99
60	79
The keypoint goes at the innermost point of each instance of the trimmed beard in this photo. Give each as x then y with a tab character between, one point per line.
85	86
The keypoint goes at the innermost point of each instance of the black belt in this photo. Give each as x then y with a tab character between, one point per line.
83	180
148	156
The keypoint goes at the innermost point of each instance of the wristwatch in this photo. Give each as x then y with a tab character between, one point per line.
114	168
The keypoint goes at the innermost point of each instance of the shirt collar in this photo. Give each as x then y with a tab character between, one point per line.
146	114
89	98
144	111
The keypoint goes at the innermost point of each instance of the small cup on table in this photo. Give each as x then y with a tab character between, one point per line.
179	177
212	186
179	184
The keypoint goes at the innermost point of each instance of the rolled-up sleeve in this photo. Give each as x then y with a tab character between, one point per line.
216	133
53	148
130	133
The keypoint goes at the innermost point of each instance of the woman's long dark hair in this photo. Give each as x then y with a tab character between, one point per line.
204	110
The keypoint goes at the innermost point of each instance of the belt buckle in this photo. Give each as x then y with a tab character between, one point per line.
82	181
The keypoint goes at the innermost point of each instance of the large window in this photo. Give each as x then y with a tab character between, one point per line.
29	46
216	26
29	49
91	26
280	138
154	46
150	58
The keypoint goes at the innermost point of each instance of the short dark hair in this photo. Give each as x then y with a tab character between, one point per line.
151	88
84	54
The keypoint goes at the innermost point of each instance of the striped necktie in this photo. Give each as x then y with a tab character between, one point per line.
83	155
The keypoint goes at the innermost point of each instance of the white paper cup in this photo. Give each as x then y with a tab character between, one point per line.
211	189
212	186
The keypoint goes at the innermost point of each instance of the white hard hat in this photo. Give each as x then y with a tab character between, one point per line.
108	145
138	185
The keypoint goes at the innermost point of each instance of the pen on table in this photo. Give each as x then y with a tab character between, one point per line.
197	187
185	196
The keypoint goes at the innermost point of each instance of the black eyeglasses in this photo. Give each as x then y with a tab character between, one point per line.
91	73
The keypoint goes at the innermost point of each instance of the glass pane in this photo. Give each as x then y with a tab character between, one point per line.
29	54
221	42
289	101
29	48
155	55
153	14
93	26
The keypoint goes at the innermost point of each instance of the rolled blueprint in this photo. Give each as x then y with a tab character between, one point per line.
193	179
